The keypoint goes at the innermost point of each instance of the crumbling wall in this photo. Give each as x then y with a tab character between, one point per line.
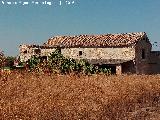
27	51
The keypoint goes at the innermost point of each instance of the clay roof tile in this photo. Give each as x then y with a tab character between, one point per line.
106	40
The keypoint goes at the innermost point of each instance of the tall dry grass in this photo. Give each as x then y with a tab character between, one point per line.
31	96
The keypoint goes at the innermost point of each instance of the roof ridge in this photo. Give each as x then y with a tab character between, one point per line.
104	40
98	34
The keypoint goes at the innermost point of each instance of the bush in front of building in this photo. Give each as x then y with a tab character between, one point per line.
57	63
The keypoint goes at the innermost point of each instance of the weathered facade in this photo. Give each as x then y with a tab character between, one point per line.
126	52
27	51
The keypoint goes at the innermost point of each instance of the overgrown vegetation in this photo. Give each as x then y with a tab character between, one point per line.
57	63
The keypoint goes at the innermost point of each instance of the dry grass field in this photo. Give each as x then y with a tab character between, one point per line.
32	96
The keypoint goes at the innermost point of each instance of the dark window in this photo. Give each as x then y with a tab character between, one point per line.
37	51
143	54
25	51
59	50
43	58
80	53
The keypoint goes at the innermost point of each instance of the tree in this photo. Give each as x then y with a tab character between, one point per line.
2	59
10	61
55	60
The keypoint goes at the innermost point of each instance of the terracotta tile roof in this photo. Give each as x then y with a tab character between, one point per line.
107	40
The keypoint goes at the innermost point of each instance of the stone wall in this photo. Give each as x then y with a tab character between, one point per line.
142	63
129	67
26	52
154	63
101	55
130	58
125	53
46	52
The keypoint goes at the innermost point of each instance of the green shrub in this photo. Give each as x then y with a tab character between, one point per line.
55	60
33	62
68	65
57	63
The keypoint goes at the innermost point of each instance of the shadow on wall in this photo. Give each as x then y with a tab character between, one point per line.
128	67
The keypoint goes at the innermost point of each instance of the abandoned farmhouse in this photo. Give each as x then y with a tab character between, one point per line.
124	52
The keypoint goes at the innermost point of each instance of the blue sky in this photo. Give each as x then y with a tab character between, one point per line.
35	24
